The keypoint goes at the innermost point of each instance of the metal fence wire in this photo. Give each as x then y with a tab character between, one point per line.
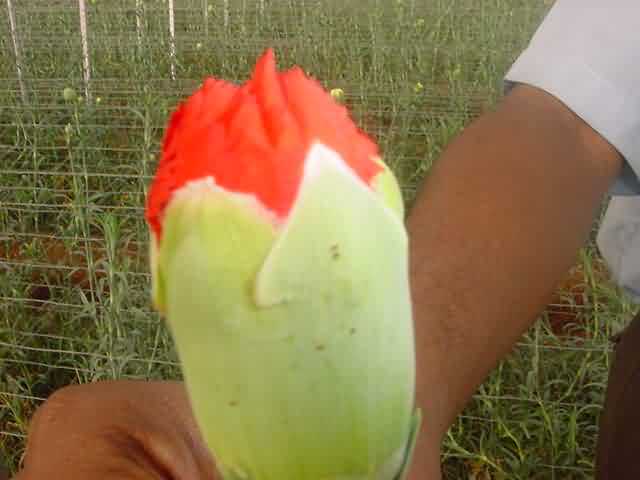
87	86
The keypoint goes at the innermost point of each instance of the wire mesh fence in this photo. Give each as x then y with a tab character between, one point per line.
88	86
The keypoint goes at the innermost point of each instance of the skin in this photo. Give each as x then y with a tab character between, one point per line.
525	178
127	430
496	228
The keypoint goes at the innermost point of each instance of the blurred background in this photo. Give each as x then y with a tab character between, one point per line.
86	90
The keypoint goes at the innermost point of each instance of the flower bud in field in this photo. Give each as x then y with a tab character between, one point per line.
69	94
279	258
337	93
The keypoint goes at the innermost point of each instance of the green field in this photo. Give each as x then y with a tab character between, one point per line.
74	283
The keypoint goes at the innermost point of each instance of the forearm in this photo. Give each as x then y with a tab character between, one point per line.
498	223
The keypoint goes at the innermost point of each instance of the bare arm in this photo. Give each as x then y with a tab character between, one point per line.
497	225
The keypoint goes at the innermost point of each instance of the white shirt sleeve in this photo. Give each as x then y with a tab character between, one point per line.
586	53
619	243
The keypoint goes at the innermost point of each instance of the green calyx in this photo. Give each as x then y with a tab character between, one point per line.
386	184
296	340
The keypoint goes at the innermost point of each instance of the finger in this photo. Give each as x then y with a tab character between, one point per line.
122	429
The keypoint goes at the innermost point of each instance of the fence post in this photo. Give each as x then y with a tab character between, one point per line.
225	13
16	50
205	15
172	39
139	24
86	64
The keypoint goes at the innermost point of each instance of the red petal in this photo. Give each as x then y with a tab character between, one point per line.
324	120
253	139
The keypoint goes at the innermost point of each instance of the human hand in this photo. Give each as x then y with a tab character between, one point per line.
129	430
134	430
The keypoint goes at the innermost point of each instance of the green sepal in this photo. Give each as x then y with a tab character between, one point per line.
386	184
298	357
416	423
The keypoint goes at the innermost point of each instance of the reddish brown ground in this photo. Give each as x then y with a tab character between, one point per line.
51	262
569	309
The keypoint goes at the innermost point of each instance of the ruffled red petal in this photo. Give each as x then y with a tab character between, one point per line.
254	138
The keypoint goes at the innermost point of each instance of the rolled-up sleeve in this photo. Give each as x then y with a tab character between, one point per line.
586	53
